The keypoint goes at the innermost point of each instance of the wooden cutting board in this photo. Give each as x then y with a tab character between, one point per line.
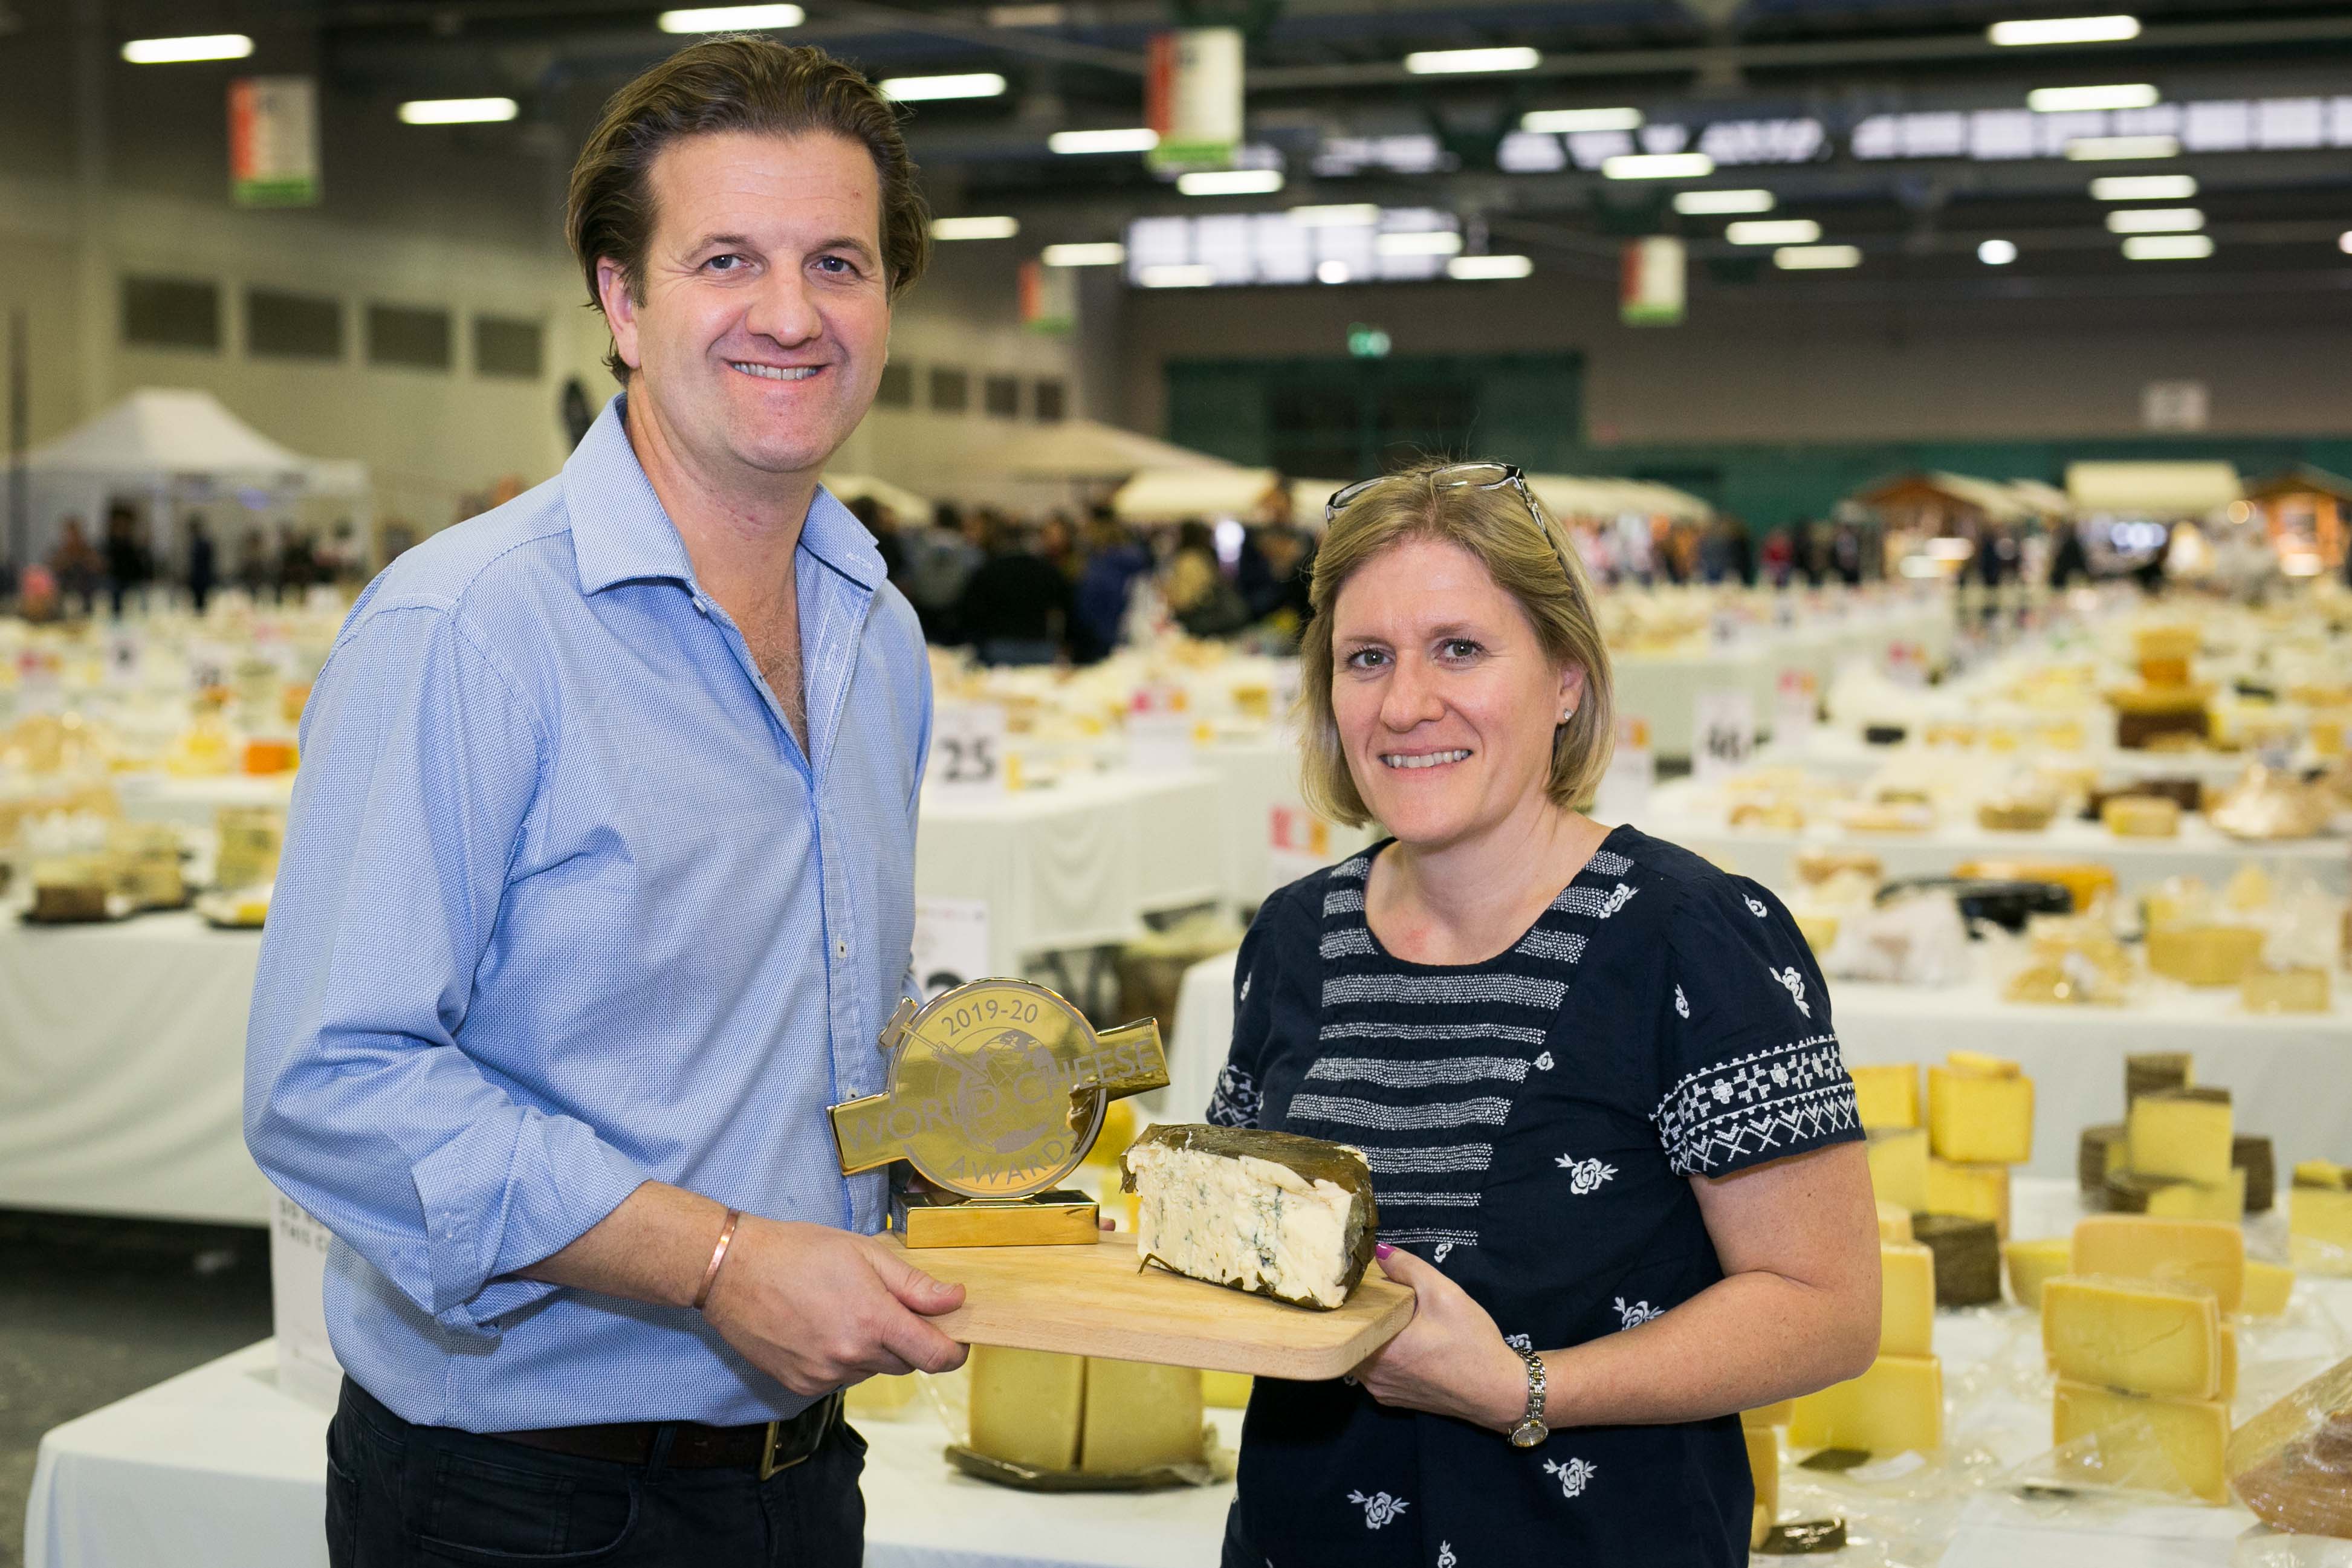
1090	1301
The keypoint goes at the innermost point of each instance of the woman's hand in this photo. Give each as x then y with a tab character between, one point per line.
1450	1359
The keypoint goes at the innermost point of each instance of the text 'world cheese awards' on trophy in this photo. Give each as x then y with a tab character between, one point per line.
996	1092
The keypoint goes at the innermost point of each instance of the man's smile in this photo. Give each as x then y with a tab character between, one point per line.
776	372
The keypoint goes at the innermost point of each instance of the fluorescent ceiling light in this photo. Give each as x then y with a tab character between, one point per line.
1141	139
1997	252
1108	253
456	110
927	88
1710	204
2087	149
2063	30
1815	257
730	18
2144	187
1456	62
179	51
1477	268
2167	247
974	227
2156	220
1332	273
2081	100
1567	120
1230	182
1658	166
1339	214
2344	242
1419	242
1774	231
1181	277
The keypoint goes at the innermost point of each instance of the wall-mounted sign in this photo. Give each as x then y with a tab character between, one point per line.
1652	284
1192	97
273	140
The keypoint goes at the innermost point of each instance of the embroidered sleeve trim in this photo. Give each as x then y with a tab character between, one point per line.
1236	1101
1732	1112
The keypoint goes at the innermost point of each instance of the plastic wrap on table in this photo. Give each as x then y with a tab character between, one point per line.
2292	1464
2067	959
1914	940
2262	1547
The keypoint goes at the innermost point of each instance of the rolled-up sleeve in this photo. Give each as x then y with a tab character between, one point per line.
422	765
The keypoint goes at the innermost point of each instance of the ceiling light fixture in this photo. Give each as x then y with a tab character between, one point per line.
179	51
730	18
930	89
1658	166
2344	242
1193	276
1712	204
1488	268
1997	252
2156	220
1230	182
2063	30
1107	253
2144	187
2115	149
1774	231
1338	215
1461	62
975	227
1419	242
1816	257
1333	272
1140	140
2084	100
1564	121
2167	247
457	110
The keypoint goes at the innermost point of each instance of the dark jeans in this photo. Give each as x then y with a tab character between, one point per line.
401	1495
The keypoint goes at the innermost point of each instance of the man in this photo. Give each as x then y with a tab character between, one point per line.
598	888
201	564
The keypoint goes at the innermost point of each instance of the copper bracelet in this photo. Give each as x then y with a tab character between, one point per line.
718	1256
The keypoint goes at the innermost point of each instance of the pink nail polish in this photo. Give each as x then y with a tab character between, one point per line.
1382	1249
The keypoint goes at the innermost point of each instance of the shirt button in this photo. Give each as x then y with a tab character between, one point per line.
841	949
701	605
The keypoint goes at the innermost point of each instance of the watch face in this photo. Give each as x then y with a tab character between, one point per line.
1528	1434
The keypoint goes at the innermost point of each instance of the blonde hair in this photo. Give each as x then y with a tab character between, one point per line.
1530	557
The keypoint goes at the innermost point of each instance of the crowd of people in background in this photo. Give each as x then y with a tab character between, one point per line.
123	568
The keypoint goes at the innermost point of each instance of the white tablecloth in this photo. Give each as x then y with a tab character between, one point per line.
2289	1075
1663	688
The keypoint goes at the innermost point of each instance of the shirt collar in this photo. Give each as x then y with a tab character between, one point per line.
620	532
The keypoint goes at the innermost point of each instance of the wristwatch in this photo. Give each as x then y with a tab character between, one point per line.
1531	1429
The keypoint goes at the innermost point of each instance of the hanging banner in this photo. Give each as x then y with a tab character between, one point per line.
1049	297
1651	284
273	142
1192	97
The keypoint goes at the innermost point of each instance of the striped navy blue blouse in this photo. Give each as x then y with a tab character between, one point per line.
1532	1123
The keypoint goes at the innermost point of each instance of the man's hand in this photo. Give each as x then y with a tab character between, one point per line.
815	1308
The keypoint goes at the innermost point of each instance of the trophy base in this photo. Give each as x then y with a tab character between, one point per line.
1059	1218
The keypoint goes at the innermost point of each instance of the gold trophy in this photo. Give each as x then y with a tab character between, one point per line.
996	1092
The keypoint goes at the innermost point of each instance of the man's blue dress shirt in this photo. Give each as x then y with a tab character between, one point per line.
564	907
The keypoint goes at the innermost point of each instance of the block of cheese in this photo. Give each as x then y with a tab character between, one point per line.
2206	953
883	1398
2142	1442
1967	1258
1898	1168
1139	1416
2133	1334
2323	1174
2292	1464
2145	1072
2319	1229
1764	1464
2300	990
1027	1407
1976	1117
1982	1064
1225	1390
2141	816
2184	1133
2229	1389
2101	1153
1894	1222
1270	1212
1907	1286
1979	1191
1888	1093
1897	1405
2166	1197
2268	1288
1766	1414
2205	1252
2252	1155
2031	1262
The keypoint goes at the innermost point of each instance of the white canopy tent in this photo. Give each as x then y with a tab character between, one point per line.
1571	496
2160	491
1177	495
1083	450
911	509
176	447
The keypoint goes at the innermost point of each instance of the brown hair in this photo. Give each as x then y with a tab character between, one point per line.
1530	558
732	84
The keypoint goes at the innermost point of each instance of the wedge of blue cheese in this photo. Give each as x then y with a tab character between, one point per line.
1270	1212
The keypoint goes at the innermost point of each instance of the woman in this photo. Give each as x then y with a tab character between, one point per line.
1609	1128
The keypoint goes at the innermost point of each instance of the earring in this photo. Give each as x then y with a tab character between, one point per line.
1567	716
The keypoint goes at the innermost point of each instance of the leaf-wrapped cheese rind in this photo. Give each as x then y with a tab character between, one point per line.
1269	1213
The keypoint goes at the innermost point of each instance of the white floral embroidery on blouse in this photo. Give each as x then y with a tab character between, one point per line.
1584	1175
1572	1475
1754	908
1442	1248
1519	1342
1682	1004
1543	1062
1244	995
1616	899
1796	985
1638	1313
1379	1508
1445	1558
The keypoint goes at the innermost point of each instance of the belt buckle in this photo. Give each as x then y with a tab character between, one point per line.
768	1466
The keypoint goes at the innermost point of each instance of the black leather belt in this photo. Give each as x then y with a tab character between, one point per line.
766	1448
